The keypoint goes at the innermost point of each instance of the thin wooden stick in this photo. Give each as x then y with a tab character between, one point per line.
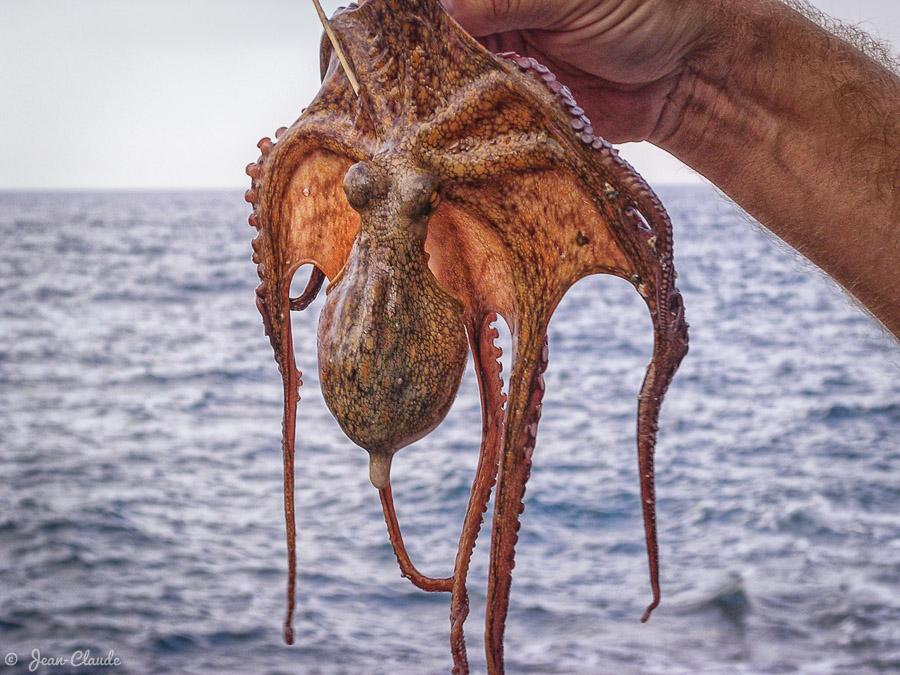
337	48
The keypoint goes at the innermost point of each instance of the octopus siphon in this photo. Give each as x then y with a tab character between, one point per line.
454	186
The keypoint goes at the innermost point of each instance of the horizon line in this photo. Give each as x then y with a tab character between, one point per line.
222	188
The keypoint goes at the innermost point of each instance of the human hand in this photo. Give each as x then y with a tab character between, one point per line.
751	94
621	58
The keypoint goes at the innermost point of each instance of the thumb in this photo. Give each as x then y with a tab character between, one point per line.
485	17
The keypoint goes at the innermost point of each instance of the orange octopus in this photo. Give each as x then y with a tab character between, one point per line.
456	186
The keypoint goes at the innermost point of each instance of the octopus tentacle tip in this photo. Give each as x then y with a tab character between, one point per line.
288	635
649	611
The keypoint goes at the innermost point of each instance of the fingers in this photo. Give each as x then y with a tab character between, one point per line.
485	17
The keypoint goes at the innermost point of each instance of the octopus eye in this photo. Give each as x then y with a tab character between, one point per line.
357	186
427	202
420	196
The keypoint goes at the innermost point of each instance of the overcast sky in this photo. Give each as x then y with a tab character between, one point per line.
175	94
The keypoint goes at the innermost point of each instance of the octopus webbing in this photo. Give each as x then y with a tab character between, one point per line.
456	186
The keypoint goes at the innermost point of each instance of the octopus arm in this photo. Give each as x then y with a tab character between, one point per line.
303	217
514	243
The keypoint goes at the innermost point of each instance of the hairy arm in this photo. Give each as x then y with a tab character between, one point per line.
797	126
803	131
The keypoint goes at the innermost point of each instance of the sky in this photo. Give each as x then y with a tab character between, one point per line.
106	94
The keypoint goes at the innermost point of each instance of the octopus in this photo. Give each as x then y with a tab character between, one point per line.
454	187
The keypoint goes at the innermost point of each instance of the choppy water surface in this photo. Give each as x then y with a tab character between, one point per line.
141	506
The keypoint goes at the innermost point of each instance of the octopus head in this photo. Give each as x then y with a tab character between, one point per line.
392	345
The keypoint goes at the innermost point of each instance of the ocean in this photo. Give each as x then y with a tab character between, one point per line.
141	499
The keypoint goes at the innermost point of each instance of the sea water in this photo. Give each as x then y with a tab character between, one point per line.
141	503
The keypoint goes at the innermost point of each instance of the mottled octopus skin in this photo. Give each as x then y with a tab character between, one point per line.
392	347
479	190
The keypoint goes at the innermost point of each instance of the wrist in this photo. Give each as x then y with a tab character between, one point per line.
800	129
722	101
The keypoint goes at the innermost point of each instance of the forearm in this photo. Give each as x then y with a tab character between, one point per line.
803	132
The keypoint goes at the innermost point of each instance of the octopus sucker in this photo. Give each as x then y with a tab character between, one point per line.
457	188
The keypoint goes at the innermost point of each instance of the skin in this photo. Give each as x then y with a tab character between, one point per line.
456	187
392	349
797	126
